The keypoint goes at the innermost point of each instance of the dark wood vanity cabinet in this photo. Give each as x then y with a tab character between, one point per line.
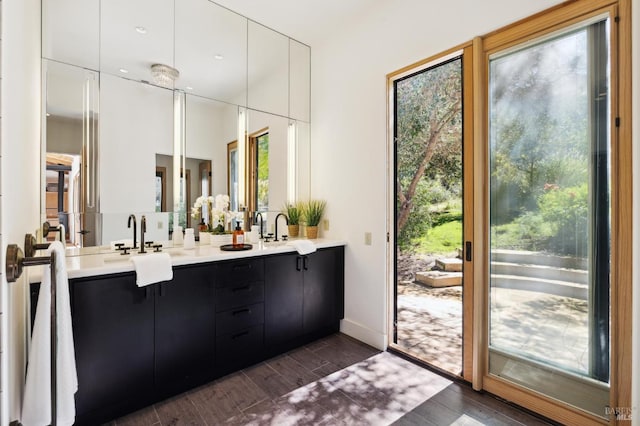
113	331
185	329
323	286
135	346
303	297
239	310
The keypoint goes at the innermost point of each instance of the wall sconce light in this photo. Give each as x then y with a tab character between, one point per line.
179	151
292	163
242	157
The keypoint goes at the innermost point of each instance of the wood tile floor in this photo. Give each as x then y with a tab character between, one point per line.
334	381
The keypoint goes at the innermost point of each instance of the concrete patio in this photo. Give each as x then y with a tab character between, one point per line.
546	327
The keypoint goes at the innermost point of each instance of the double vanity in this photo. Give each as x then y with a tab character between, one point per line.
222	311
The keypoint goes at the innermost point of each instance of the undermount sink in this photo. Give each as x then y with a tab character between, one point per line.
117	257
273	244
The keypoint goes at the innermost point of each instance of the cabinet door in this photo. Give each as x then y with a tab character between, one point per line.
320	290
283	298
185	329
113	335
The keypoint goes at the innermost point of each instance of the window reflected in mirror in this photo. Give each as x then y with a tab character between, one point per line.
232	174
259	171
161	192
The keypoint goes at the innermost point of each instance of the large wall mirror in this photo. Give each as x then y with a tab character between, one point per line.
123	136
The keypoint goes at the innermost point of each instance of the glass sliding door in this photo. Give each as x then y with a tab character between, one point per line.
550	215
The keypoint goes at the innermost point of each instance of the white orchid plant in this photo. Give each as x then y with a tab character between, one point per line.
219	214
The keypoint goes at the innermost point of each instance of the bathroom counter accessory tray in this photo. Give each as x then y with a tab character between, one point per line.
231	247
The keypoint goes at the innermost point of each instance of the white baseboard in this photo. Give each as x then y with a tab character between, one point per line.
364	334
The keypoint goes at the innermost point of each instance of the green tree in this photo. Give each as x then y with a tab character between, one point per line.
428	148
538	113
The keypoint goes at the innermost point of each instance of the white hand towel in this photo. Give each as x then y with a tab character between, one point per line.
152	268
36	405
303	246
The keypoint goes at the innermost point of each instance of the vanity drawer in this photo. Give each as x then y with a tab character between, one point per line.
240	271
239	294
240	349
238	319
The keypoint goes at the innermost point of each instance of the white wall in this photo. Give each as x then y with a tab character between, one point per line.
20	177
211	125
349	162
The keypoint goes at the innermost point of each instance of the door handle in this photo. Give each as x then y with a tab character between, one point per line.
467	251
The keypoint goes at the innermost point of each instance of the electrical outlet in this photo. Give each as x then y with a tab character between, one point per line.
367	238
326	224
159	224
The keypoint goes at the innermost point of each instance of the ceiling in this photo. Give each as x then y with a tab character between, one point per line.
304	20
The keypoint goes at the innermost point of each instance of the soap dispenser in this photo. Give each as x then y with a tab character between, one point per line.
238	236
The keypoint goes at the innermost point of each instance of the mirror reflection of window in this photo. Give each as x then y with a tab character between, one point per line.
185	203
161	189
262	175
232	178
258	170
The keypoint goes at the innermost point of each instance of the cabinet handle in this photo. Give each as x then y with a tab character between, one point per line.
305	263
146	292
243	288
161	290
243	266
298	258
239	335
241	311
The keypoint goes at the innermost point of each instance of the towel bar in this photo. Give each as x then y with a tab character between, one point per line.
47	227
16	260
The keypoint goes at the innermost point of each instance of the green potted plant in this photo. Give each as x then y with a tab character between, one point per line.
294	214
312	212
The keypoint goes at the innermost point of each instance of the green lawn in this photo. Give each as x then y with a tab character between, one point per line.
441	239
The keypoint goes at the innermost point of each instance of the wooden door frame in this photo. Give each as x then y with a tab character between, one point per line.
546	22
465	52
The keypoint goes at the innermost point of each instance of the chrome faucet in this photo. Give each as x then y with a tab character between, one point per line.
259	215
132	216
143	229
286	219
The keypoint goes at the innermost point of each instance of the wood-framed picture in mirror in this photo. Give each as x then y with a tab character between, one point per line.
161	189
232	174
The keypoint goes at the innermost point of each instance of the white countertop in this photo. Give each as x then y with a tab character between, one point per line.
112	262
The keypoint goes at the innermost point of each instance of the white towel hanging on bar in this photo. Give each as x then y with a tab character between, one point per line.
36	405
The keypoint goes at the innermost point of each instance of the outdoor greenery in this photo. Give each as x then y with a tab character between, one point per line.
429	152
263	172
539	146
